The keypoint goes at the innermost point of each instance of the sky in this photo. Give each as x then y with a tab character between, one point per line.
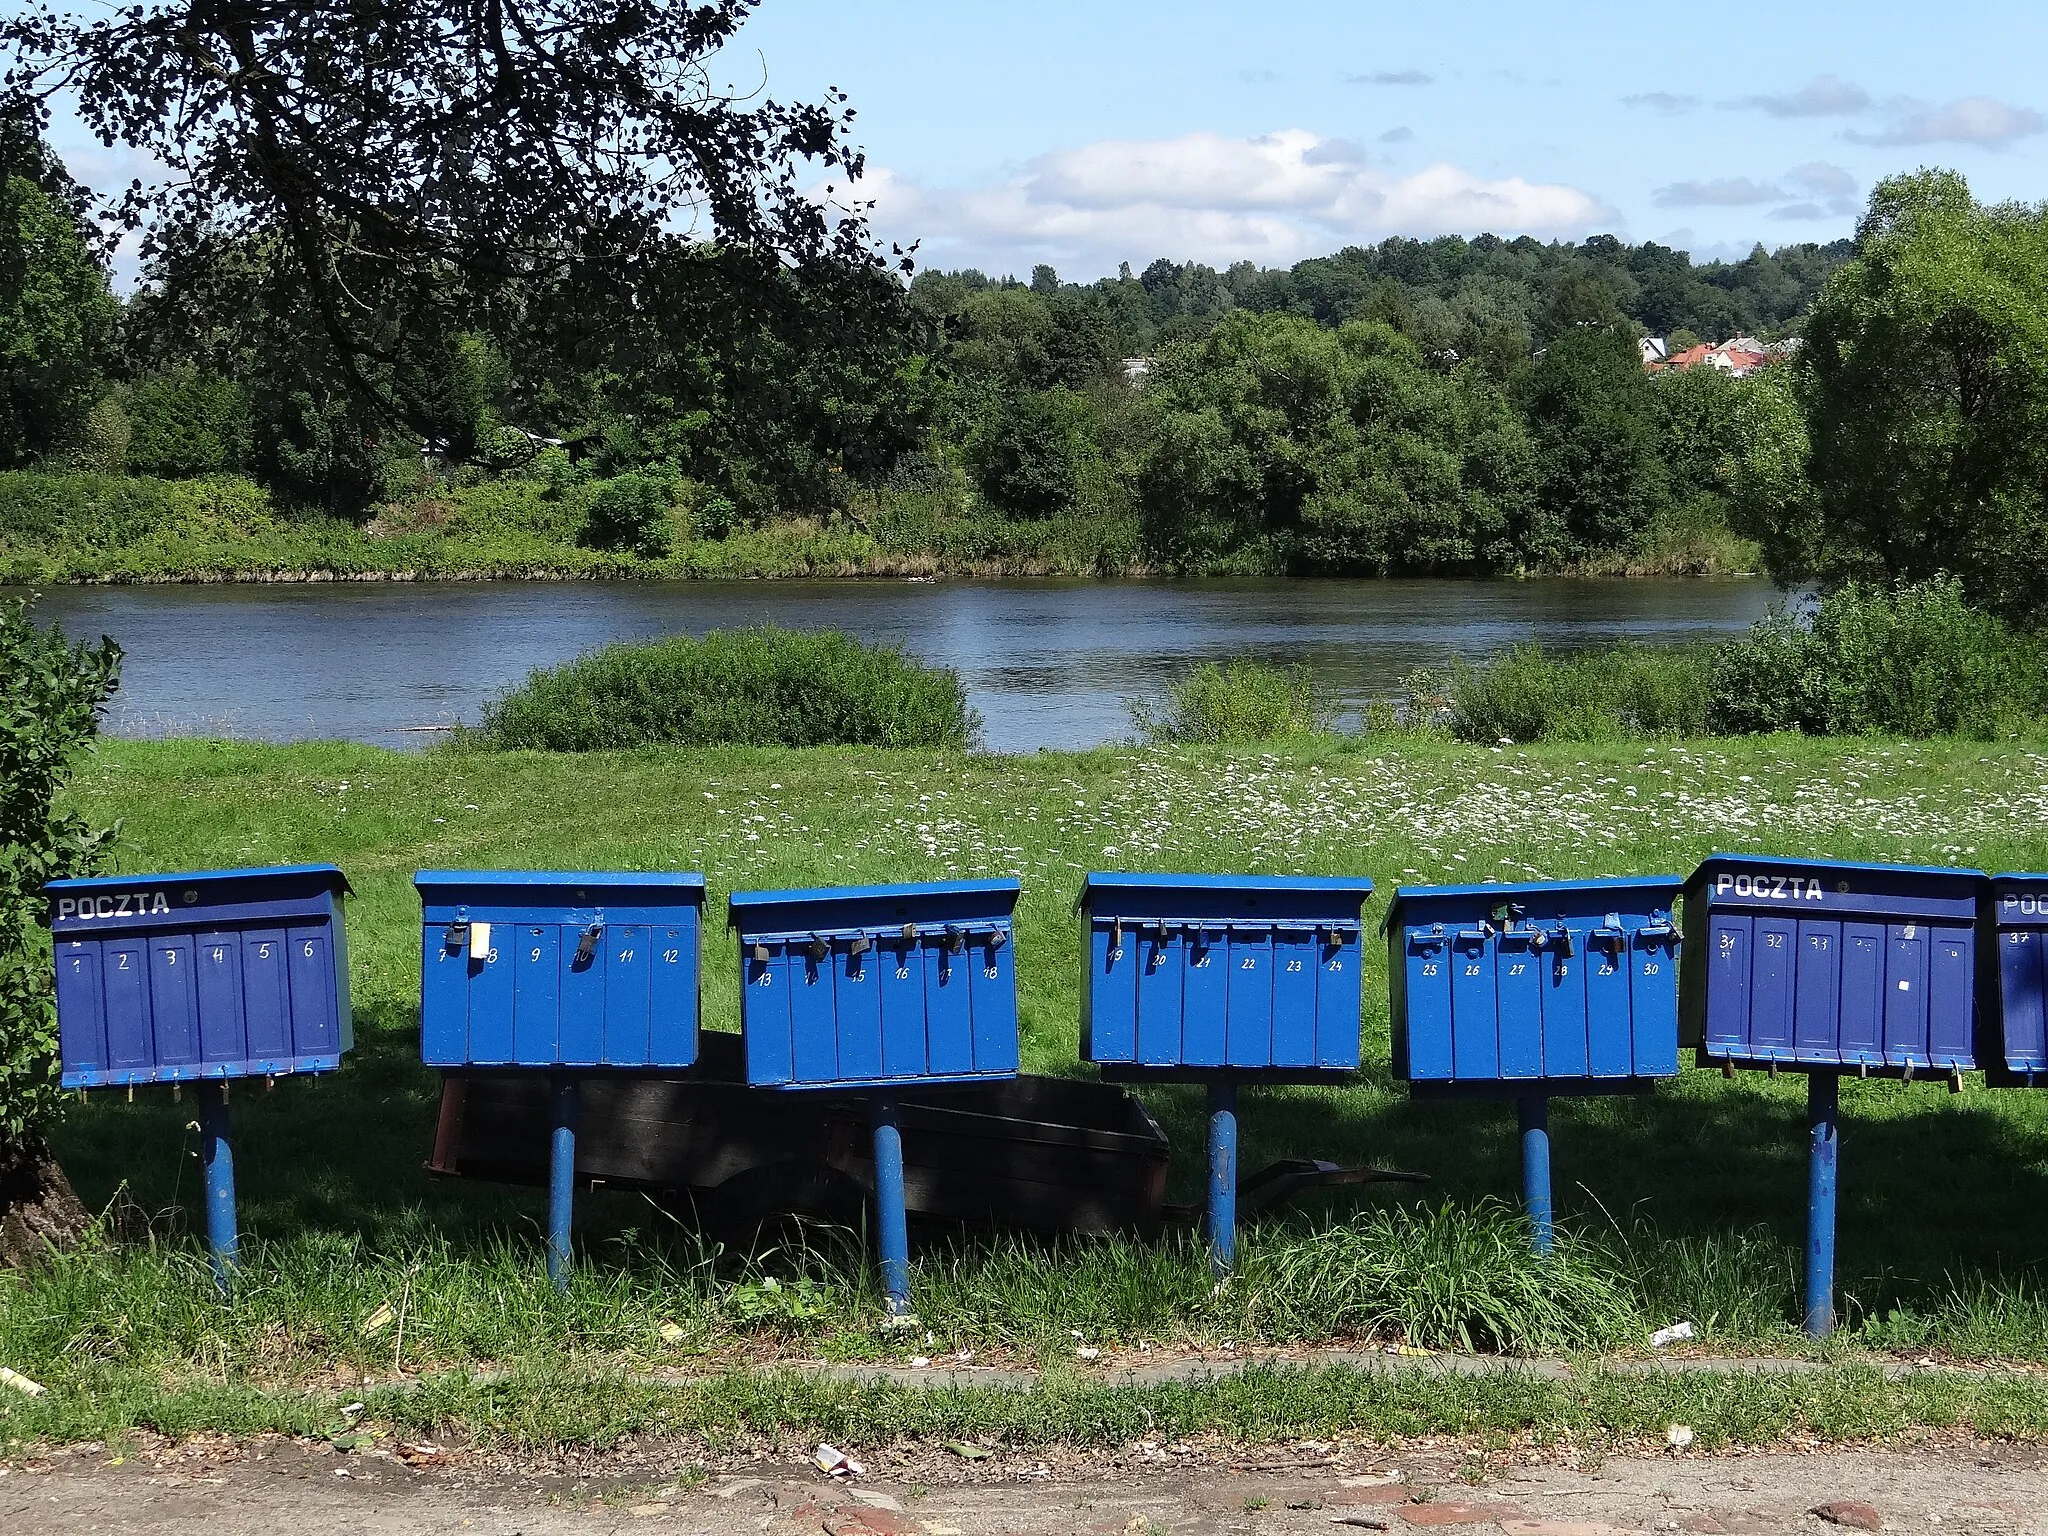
1087	133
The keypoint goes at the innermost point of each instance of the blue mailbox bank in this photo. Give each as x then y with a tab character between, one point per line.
564	971
1535	989
1822	967
877	988
2012	1013
200	978
1222	979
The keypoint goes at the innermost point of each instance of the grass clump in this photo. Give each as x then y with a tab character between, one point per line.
755	688
1622	693
1240	701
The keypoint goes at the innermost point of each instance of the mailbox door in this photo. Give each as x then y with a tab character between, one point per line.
223	1034
309	961
1520	968
1653	1004
628	994
490	1002
536	992
766	1013
903	1006
131	1041
1426	964
672	1023
857	997
1475	1006
1818	990
174	1000
579	1029
1205	993
1112	991
267	994
1338	996
1951	958
1862	1038
1772	995
1161	962
949	1012
1610	1034
81	1007
992	987
1565	1005
813	1048
1905	996
1296	953
1249	1009
1728	948
2019	979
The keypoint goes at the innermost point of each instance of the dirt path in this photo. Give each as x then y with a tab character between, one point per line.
221	1488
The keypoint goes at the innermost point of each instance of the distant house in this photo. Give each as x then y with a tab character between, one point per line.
1656	352
1739	356
1136	368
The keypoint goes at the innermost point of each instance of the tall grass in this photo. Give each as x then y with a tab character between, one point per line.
755	687
1625	692
1240	701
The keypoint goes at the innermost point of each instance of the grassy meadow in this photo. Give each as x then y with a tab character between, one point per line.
1684	1204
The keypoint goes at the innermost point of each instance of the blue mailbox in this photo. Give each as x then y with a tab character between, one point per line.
1559	985
566	971
2012	1017
1810	963
879	988
878	985
588	969
202	978
1824	967
1254	974
1222	978
1535	989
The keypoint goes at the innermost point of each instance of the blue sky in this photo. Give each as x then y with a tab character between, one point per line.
1089	132
1085	134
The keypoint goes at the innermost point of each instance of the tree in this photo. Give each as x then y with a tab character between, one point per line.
51	698
1600	481
1924	386
1030	455
56	323
411	171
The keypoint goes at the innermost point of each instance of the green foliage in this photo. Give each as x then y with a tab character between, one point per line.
51	698
1329	451
1241	701
1591	418
103	446
630	512
1031	454
56	323
1529	694
756	687
1915	661
185	423
1924	380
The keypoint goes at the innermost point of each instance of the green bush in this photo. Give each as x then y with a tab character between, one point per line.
1915	660
755	687
1242	701
184	423
53	694
629	512
1530	694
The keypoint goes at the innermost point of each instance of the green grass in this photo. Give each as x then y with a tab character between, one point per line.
1686	1203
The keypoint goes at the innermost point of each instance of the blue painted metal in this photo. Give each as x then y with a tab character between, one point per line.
877	986
201	976
1825	964
1823	1143
559	968
892	1227
562	1117
1533	1112
217	1168
2012	998
1222	1177
1566	985
1191	974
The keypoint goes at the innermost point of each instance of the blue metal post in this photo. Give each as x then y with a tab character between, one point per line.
1823	1093
562	1115
1534	1113
1222	1177
217	1161
891	1217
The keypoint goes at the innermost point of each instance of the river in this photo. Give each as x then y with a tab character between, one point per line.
1047	663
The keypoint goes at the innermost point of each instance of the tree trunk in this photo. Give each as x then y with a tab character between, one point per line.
39	1210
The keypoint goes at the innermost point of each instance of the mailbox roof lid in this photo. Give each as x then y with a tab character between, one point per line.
1643	884
1773	861
335	879
763	900
1334	885
527	879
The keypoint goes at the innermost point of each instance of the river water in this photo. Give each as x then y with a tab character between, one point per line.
1048	663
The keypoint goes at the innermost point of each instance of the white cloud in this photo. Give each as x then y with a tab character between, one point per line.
1722	192
1822	179
1664	103
1391	77
1273	199
1822	96
1976	120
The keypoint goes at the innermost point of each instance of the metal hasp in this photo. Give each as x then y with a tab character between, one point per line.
567	972
1825	967
217	1167
1223	980
1823	1142
2012	988
1531	991
879	990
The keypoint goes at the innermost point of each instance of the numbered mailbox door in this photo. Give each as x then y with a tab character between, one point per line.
1238	973
864	986
2012	980
1564	985
595	969
1816	963
213	974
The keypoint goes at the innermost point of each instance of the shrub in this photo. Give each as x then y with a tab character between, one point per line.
184	423
1530	694
630	512
1915	660
53	695
755	687
1242	701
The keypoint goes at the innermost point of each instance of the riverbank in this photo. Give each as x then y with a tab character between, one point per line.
1685	1204
84	528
